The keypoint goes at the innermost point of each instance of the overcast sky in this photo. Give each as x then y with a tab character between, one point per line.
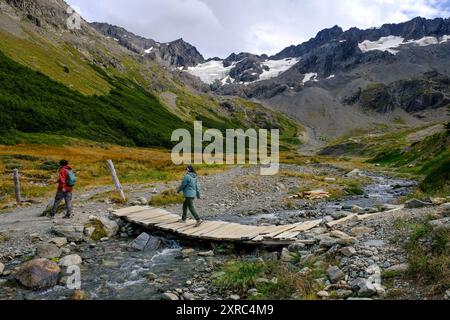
220	27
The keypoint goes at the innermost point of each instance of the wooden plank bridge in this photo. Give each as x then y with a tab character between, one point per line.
162	220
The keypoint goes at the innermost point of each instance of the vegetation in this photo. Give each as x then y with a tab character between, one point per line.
99	231
272	280
167	197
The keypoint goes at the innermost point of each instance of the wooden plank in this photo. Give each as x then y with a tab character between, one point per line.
280	230
308	225
158	220
287	235
211	227
144	215
126	211
217	234
347	218
174	226
192	229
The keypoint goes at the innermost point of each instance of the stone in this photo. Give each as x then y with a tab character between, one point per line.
89	231
416	204
235	297
48	251
329	179
440	223
348	251
361	230
70	260
358	209
79	295
35	237
400	268
335	274
353	173
142	201
438	201
343	294
364	288
286	256
447	295
323	294
170	296
343	238
2	268
145	242
38	274
151	276
110	263
305	271
60	242
188	296
71	233
110	226
209	253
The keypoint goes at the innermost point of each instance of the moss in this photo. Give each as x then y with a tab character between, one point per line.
99	231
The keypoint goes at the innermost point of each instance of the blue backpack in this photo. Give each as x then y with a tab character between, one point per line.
71	179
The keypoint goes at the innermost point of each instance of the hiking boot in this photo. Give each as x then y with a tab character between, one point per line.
68	217
199	222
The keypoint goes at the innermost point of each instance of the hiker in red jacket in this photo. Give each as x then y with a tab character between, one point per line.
66	181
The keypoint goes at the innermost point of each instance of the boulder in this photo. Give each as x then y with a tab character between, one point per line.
60	242
335	274
142	201
398	268
145	242
343	238
71	233
438	201
209	253
38	274
70	260
440	223
48	251
361	230
343	294
416	204
323	295
2	268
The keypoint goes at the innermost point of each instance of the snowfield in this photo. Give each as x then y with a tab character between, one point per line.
277	67
147	51
310	77
211	71
391	43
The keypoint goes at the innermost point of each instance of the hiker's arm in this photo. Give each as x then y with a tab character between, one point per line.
198	190
63	179
183	184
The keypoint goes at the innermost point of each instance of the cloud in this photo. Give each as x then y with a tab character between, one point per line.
220	27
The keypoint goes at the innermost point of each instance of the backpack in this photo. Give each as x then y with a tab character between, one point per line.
71	178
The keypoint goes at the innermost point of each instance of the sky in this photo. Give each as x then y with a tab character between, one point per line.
221	27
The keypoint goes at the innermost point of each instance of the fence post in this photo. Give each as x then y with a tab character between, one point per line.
112	170
16	178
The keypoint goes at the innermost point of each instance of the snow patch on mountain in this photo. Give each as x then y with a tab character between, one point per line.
391	43
310	77
211	71
277	67
147	51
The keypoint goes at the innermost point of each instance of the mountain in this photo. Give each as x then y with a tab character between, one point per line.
177	53
342	81
82	83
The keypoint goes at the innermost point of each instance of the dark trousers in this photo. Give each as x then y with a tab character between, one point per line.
189	204
67	196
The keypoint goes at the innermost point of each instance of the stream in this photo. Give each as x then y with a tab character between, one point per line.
110	271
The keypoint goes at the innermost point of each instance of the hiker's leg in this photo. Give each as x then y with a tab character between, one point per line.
58	198
68	200
185	208
192	208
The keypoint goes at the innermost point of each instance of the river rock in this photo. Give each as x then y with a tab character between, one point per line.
343	294
188	296
2	268
400	268
343	238
335	274
60	242
170	296
416	204
364	288
235	297
323	295
71	233
361	230
145	242
329	179
70	260
48	251
38	274
79	295
142	201
358	209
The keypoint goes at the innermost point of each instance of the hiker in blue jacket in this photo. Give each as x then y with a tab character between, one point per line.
190	190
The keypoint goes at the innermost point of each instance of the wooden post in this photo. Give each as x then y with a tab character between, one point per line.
112	170
16	178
